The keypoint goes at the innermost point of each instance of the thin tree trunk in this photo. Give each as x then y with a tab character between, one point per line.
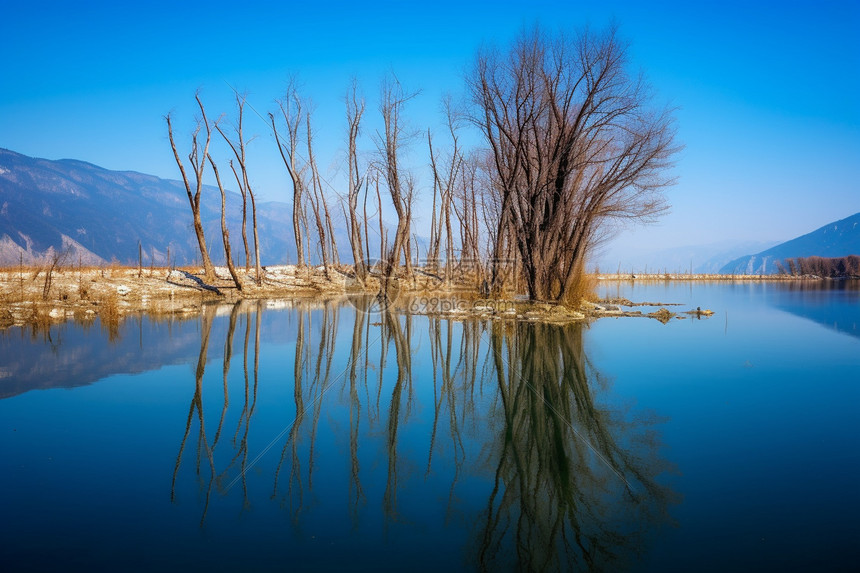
354	111
291	109
382	242
400	185
244	193
433	250
335	256
225	232
366	226
246	190
257	263
316	198
197	158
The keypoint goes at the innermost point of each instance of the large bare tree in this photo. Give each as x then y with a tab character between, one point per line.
197	158
401	184
576	145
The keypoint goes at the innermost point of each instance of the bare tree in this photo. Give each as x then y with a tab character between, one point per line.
383	232
466	208
291	110
244	185
54	262
401	184
335	256
316	198
433	247
197	158
575	145
446	174
225	232
354	111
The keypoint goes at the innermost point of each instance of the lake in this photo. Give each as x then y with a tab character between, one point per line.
318	436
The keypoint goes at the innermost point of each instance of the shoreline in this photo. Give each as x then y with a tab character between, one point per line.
682	277
40	297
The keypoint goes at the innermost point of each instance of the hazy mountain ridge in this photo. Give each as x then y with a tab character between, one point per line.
704	259
837	239
97	215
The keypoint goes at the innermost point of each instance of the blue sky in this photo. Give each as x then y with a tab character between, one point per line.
767	93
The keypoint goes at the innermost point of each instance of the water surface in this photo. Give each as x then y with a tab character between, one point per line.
318	436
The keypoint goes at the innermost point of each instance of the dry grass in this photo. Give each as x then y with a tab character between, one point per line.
6	317
664	315
113	292
583	288
109	314
40	316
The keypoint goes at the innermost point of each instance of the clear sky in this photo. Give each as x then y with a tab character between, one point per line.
767	93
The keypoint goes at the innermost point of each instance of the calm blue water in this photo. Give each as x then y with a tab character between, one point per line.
313	437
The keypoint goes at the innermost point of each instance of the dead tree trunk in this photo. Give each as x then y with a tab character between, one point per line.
335	256
433	248
225	232
197	158
354	111
446	178
366	225
244	193
467	219
400	184
245	187
317	200
383	242
291	109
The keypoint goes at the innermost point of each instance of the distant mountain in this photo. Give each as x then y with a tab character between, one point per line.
715	262
97	216
704	259
837	239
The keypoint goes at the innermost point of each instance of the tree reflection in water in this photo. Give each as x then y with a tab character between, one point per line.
571	482
575	485
210	478
312	373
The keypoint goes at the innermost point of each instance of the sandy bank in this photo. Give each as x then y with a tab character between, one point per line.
35	296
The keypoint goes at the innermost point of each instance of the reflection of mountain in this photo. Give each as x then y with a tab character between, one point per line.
832	303
75	355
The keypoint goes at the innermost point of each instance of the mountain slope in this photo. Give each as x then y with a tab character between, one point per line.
704	259
837	239
96	215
